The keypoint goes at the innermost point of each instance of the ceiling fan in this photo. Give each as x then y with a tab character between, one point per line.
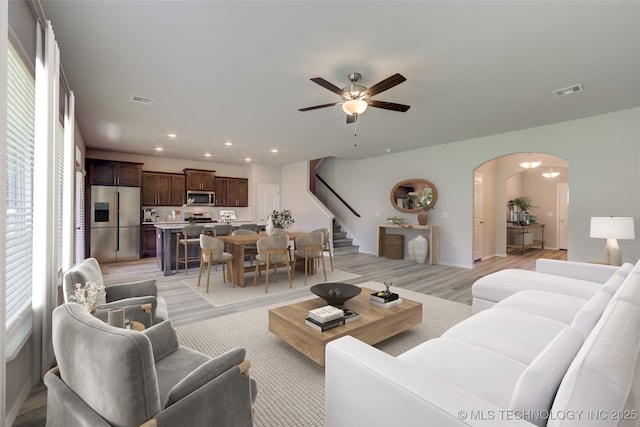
356	98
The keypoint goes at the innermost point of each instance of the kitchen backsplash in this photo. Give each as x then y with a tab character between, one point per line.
164	212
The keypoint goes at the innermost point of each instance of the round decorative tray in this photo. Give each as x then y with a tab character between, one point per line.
336	294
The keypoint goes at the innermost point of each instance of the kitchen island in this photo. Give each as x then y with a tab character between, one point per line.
166	241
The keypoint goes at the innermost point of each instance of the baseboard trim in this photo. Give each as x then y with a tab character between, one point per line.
12	413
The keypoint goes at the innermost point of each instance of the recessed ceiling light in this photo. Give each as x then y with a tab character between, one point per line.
171	135
274	150
207	154
228	143
388	150
247	159
159	149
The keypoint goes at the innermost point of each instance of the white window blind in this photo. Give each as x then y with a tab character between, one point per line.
79	231
20	143
59	187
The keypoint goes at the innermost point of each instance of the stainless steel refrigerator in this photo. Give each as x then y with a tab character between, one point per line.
115	223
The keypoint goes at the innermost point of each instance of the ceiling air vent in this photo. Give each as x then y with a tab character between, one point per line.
570	90
141	100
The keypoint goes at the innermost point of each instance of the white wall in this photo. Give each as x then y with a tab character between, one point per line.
601	150
307	211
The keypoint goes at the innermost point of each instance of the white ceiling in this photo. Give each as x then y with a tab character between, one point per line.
238	71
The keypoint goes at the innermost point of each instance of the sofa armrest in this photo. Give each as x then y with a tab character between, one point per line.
164	339
129	290
598	273
396	393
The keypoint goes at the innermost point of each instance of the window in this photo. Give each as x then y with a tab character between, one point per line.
19	218
59	191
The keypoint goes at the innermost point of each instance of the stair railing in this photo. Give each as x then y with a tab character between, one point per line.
338	196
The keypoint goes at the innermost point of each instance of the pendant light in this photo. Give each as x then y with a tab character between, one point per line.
550	173
529	162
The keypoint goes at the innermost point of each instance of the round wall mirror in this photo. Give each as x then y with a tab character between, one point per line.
414	195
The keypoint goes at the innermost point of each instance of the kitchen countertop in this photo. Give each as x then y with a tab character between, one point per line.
168	225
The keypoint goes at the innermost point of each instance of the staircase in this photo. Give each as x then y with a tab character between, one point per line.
342	245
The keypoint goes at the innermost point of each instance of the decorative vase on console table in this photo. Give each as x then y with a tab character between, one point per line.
423	217
420	248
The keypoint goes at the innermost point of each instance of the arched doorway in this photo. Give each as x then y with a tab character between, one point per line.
502	179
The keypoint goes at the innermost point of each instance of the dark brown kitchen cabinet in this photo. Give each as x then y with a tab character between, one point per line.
162	189
106	172
232	192
198	179
148	247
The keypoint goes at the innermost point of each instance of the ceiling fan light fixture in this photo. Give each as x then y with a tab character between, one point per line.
354	106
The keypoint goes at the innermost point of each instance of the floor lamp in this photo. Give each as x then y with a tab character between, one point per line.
612	228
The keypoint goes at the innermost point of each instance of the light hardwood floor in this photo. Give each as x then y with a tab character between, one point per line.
441	281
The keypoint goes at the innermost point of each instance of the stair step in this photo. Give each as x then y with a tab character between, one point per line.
345	250
342	242
338	235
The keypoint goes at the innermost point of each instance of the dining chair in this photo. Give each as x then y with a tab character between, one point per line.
212	252
249	250
189	236
309	248
326	243
273	251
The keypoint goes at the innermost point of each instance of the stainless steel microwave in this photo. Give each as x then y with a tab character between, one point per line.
201	198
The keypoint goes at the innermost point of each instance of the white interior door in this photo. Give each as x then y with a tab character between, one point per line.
268	200
562	191
478	215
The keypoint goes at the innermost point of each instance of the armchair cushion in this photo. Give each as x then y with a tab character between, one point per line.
164	339
205	373
130	290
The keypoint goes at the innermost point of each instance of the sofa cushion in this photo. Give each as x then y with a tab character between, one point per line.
630	289
589	315
617	279
520	336
562	308
487	374
600	378
501	284
538	384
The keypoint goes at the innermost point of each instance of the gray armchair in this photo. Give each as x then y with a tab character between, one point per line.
107	376
139	299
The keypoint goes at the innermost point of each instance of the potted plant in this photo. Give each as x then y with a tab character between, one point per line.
525	205
281	219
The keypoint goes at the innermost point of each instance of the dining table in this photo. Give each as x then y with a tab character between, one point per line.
235	246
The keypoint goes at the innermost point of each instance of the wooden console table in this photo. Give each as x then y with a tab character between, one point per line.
434	238
522	230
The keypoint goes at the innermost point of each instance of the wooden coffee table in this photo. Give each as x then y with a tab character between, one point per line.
374	325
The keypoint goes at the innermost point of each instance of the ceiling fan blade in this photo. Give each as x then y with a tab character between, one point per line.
351	119
315	107
325	84
385	84
389	105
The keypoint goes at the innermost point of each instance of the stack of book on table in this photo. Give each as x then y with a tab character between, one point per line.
328	317
385	299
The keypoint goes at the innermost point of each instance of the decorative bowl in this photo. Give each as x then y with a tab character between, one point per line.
336	294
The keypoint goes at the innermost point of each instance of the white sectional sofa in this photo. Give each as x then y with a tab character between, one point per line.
556	347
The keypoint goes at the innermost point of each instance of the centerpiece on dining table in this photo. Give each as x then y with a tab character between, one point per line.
279	222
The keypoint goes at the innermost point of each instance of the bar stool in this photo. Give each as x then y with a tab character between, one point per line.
252	227
190	236
222	230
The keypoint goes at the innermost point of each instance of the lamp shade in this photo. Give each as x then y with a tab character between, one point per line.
354	106
612	227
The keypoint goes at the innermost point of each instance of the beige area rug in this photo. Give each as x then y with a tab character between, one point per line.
290	386
224	293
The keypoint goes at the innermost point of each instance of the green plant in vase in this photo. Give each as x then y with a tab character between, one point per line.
282	219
